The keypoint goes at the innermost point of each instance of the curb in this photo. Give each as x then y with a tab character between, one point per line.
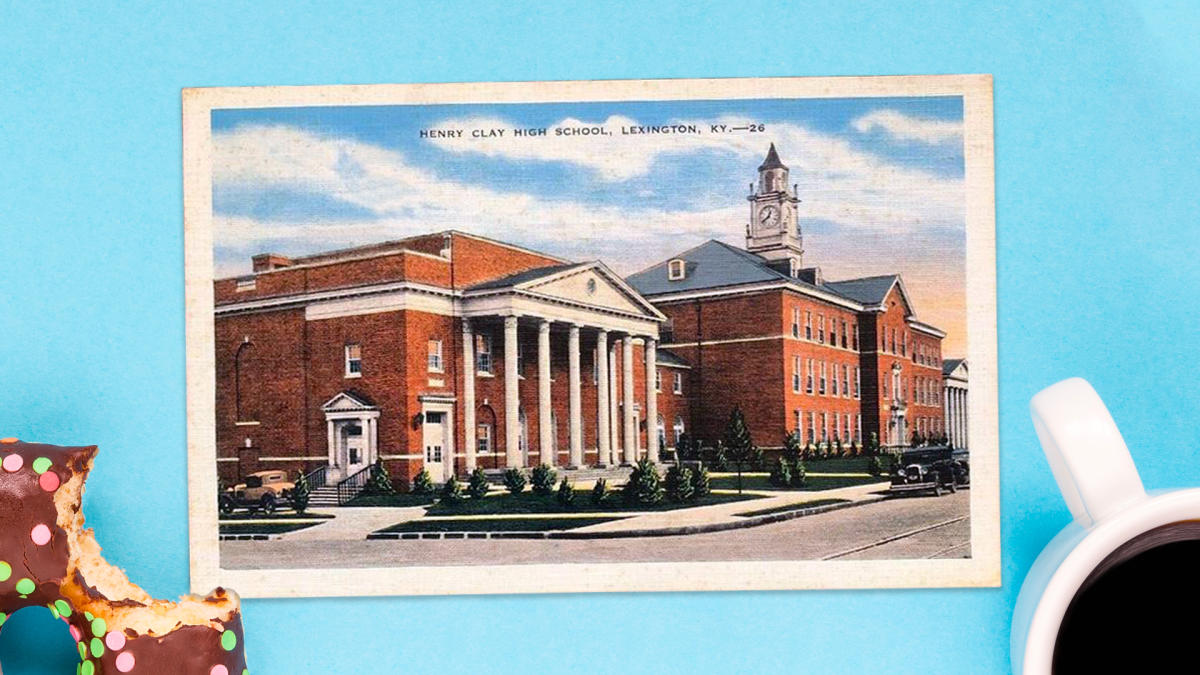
752	521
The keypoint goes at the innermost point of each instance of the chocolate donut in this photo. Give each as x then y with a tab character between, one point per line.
48	557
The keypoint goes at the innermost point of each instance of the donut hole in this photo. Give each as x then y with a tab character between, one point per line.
33	641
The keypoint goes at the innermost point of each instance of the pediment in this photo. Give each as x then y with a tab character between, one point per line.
348	401
593	285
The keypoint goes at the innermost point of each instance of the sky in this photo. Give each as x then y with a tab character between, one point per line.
880	182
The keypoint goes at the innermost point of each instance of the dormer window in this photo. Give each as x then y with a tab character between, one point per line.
793	268
676	270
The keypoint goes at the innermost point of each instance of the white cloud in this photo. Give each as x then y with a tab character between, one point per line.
837	183
903	127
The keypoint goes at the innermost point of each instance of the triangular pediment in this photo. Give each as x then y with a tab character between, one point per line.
347	400
593	284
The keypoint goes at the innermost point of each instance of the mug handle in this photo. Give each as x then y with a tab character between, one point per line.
1087	454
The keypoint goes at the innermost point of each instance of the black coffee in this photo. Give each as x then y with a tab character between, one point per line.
1139	611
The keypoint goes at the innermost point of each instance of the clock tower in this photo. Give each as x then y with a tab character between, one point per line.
774	230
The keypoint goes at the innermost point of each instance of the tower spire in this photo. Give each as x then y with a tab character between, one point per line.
772	160
774	230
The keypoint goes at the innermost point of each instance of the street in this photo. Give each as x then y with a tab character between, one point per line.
910	527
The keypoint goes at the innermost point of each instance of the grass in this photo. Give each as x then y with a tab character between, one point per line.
495	525
399	499
263	528
527	502
793	507
761	481
283	516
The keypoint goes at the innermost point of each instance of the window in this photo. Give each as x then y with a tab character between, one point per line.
855	337
833	332
523	436
857	382
847	432
808	378
821	389
808	325
678	383
843	335
824	427
799	421
676	270
885	387
837	425
846	381
483	354
892	346
658	380
795	322
820	328
245	284
435	356
796	374
833	384
904	343
812	425
354	360
520	358
858	427
679	430
483	439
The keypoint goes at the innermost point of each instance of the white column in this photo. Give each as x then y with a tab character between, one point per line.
613	423
372	449
512	404
603	437
627	400
545	426
575	410
963	415
332	440
468	394
652	402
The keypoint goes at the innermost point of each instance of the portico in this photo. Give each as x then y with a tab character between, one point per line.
588	307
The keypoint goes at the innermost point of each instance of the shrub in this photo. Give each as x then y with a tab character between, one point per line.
301	493
700	486
422	484
781	473
837	447
873	444
514	481
452	492
792	447
856	449
379	482
599	491
876	466
644	486
799	474
679	484
566	494
479	486
543	480
720	457
810	451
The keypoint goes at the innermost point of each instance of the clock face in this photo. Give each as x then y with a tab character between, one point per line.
769	215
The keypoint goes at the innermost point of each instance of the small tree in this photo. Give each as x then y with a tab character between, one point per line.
379	482
781	473
917	439
700	486
720	457
742	451
566	494
478	486
837	447
856	448
679	484
876	466
300	494
645	485
685	449
422	484
873	444
599	491
810	451
792	447
452	492
543	480
799	474
514	481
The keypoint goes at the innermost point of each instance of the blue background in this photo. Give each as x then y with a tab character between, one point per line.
1098	174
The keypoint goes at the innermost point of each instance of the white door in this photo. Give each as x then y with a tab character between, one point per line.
434	433
354	448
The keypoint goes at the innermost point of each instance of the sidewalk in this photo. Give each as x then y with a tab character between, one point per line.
354	522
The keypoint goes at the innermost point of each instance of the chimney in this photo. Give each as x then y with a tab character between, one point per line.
811	275
265	262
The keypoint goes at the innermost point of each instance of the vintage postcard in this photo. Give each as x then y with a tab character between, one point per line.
592	336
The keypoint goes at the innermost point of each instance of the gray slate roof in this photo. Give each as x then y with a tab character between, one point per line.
948	365
709	265
522	277
666	357
867	290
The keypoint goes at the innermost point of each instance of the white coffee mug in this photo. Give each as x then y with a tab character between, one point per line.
1102	488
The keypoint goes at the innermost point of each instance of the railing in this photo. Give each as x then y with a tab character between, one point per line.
348	488
318	478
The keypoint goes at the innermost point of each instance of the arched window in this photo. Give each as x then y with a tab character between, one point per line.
241	388
679	430
485	434
661	431
523	438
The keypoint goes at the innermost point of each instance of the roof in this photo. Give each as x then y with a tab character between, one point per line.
772	160
950	365
867	290
522	277
710	265
665	357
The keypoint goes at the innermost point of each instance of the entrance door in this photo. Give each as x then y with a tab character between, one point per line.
353	446
434	433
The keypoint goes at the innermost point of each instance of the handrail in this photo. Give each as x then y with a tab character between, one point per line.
317	478
349	487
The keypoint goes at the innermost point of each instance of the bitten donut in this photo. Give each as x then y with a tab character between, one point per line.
48	557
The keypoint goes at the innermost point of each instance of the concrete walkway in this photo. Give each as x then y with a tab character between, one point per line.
727	513
354	522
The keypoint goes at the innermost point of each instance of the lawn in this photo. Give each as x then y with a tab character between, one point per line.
761	481
793	507
495	525
399	499
263	528
527	502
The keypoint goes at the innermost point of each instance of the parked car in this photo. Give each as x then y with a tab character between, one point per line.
263	491
933	470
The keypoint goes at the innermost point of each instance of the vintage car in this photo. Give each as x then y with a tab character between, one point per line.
261	491
934	469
